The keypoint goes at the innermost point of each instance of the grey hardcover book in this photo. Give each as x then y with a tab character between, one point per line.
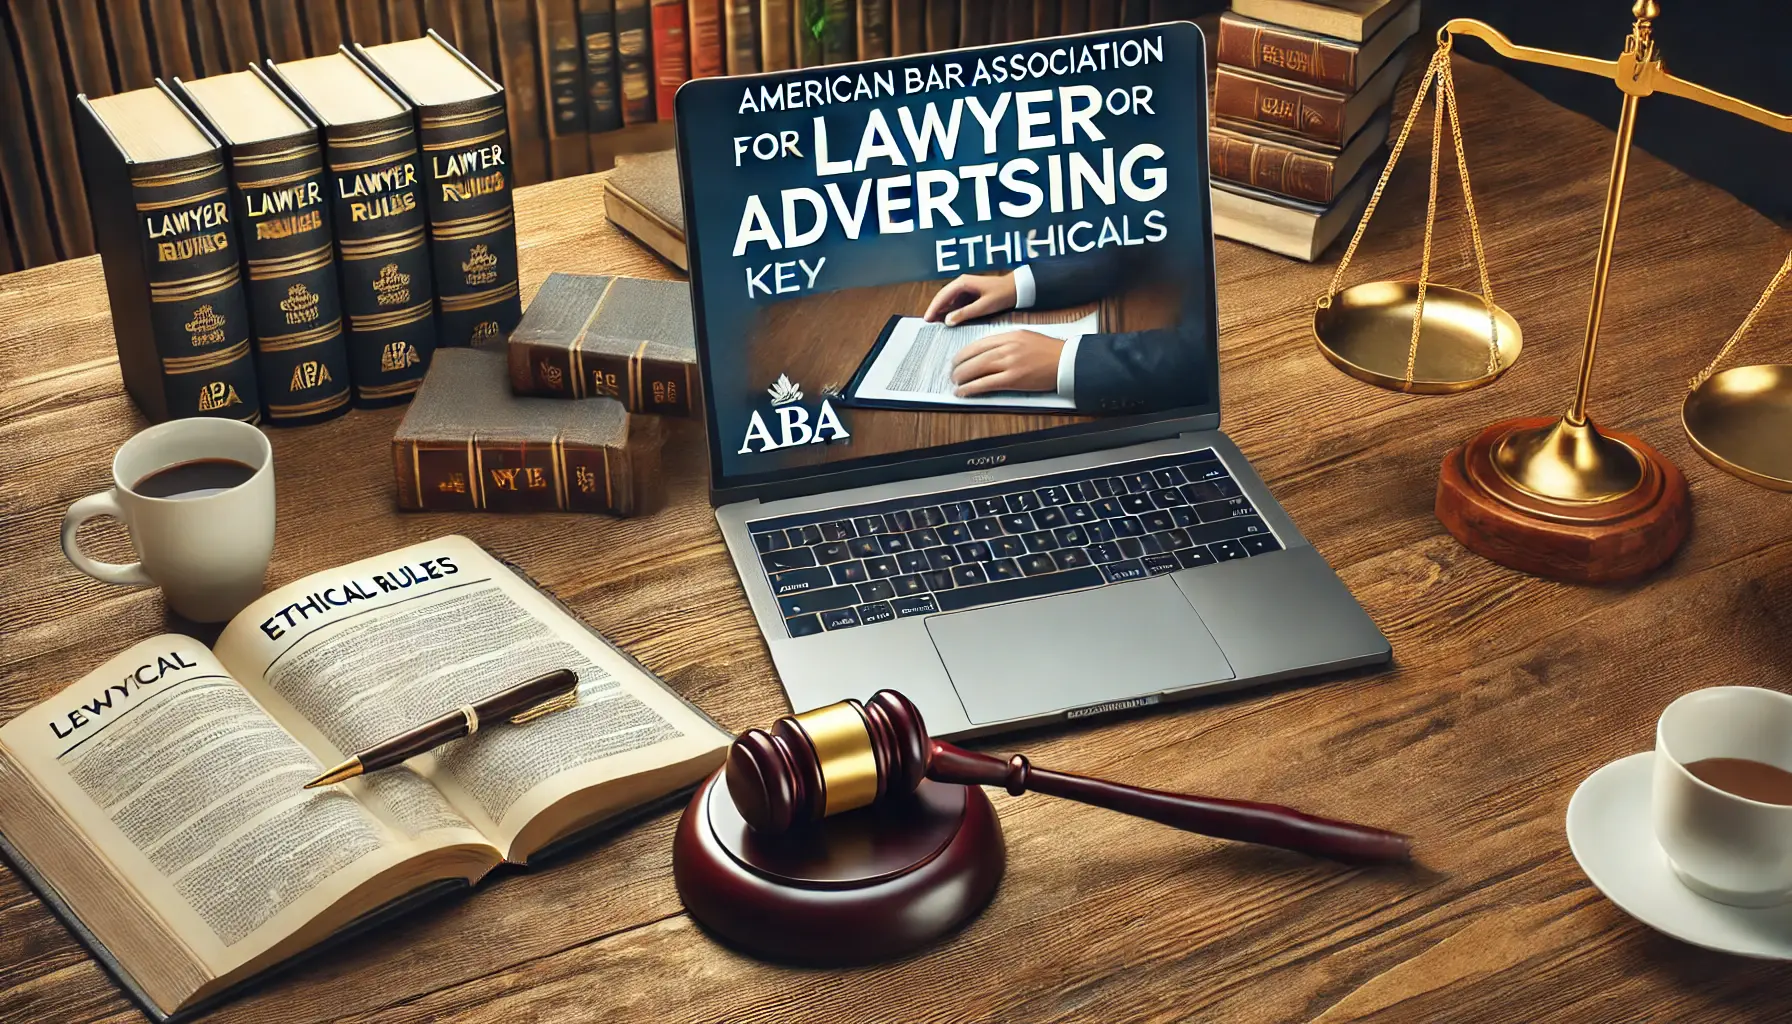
467	444
624	338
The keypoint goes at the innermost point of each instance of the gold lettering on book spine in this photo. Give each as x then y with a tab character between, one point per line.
217	395
480	266
206	327
392	287
300	305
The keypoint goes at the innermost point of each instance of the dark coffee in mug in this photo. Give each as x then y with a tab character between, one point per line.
198	478
1751	780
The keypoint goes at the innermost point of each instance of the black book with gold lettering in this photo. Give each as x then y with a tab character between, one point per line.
465	134
283	218
377	203
161	203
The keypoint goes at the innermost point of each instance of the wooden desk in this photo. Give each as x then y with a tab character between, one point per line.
1507	690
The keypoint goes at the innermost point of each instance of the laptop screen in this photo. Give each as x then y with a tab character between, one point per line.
944	254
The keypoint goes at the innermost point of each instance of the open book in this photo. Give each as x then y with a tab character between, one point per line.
160	797
910	367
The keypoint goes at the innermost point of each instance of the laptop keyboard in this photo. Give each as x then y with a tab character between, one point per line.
861	565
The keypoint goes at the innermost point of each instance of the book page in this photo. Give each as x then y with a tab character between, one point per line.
193	794
350	657
915	364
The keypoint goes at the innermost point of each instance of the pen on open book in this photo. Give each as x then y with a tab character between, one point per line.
554	691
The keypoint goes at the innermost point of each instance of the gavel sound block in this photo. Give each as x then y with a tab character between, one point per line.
845	834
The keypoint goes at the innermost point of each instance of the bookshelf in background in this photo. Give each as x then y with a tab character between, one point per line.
580	77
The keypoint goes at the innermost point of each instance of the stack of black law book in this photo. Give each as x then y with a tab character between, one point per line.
286	241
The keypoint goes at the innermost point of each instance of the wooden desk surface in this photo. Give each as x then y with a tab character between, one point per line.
1506	691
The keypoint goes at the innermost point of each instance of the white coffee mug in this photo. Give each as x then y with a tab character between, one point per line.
1722	846
208	553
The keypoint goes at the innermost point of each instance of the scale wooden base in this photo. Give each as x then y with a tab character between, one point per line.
1584	542
866	885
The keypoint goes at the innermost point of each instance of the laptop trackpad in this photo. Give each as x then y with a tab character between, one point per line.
1075	650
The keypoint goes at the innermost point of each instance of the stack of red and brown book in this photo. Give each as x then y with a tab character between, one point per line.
1301	107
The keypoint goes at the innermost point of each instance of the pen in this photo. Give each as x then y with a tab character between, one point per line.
525	701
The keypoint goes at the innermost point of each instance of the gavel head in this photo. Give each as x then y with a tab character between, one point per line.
832	759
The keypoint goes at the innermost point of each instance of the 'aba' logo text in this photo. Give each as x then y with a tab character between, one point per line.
794	421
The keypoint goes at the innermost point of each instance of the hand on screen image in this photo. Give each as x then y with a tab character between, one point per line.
1009	361
970	296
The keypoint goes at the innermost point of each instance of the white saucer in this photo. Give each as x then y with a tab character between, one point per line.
1610	834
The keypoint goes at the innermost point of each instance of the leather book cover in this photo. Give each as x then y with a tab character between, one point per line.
1283	53
775	37
708	52
169	249
465	157
743	38
1309	113
597	26
908	26
513	23
634	56
563	82
295	309
467	444
1275	168
615	337
642	197
671	54
378	206
973	23
874	29
942	24
1073	16
840	34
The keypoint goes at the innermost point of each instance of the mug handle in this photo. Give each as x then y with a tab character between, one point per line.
104	503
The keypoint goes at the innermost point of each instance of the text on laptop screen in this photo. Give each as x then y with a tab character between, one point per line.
947	251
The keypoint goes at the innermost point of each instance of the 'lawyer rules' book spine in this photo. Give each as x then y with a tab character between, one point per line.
295	310
377	204
597	24
634	55
472	221
173	279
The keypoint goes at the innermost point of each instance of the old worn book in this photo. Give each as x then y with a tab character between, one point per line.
167	238
775	35
612	337
1351	20
743	37
634	57
709	53
158	801
1274	165
468	445
463	129
908	25
283	217
671	54
1312	59
560	48
379	204
642	197
1288	226
597	24
1319	115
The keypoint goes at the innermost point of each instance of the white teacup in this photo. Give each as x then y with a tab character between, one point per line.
1724	847
208	551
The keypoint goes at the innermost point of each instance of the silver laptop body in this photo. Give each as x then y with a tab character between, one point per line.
1078	638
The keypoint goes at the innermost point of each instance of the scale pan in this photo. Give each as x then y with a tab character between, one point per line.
1741	421
1367	333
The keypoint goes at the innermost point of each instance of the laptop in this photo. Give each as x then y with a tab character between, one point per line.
958	344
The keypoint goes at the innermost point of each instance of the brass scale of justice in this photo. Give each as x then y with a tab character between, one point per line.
1555	497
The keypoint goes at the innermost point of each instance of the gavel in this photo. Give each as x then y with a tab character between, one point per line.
850	755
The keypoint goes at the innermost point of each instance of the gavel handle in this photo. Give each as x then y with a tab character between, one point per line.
1241	820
